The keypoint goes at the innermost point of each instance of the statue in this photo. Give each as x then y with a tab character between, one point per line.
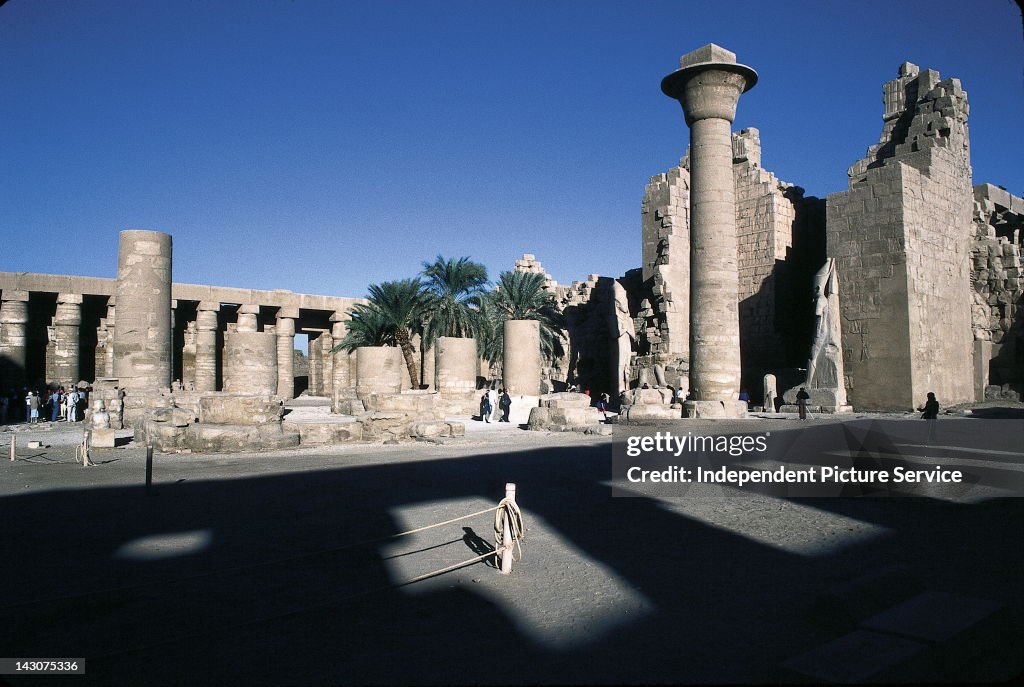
626	334
825	380
100	417
771	392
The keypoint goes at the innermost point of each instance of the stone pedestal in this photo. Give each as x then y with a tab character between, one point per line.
521	357
715	409
708	85
206	346
250	365
456	365
67	322
13	328
142	332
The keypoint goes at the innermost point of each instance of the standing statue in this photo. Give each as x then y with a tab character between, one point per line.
825	380
626	334
771	392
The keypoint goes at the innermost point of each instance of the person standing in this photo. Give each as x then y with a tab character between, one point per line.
505	402
485	408
70	405
56	398
801	402
32	408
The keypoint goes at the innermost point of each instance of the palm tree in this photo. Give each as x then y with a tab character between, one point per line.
391	318
453	290
520	296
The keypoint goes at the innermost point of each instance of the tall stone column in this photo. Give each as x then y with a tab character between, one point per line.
142	332
315	361
327	364
13	338
67	322
285	356
521	359
341	374
206	345
708	85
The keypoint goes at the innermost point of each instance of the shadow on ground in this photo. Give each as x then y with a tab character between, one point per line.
725	607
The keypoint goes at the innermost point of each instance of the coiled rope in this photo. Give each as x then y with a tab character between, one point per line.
508	513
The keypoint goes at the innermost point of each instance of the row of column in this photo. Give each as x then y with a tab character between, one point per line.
64	335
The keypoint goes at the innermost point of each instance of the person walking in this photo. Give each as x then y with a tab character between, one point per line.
602	405
801	402
485	408
930	411
505	402
56	398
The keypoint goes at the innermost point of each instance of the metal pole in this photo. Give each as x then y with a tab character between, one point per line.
506	535
149	468
14	447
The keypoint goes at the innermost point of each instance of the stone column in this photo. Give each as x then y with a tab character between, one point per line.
327	365
457	364
378	370
13	336
314	359
142	332
285	356
708	85
248	318
521	360
206	345
339	360
67	322
108	351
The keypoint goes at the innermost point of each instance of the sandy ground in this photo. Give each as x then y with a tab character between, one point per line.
275	568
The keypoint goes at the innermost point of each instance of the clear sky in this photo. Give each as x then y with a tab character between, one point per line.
319	146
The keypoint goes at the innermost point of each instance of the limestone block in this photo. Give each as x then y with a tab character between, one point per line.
565	399
226	438
457	429
418	403
715	409
324	433
652	411
381	426
103	438
430	429
348	406
232	409
648	397
176	417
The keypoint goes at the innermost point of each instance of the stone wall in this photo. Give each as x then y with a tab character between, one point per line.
901	237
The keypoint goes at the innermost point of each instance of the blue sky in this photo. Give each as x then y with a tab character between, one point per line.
319	146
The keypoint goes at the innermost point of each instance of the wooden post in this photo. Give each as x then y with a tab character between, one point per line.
149	468
506	535
86	445
14	447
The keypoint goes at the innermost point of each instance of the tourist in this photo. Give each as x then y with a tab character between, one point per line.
70	405
801	402
505	403
485	408
32	408
56	398
680	395
602	405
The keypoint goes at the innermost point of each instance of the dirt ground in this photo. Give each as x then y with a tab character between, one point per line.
274	568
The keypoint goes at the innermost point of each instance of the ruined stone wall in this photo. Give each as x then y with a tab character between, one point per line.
998	290
901	237
665	231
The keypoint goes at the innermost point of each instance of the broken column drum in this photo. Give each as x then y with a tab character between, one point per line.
250	363
521	359
378	370
142	329
456	364
708	85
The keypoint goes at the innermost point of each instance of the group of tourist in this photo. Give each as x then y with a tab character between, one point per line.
31	406
492	400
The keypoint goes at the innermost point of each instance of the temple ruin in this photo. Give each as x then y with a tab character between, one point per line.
907	282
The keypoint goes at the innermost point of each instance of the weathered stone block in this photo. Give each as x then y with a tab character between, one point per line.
104	438
231	409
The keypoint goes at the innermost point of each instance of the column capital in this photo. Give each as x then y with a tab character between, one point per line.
209	306
287	312
708	83
248	309
69	298
12	295
341	316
